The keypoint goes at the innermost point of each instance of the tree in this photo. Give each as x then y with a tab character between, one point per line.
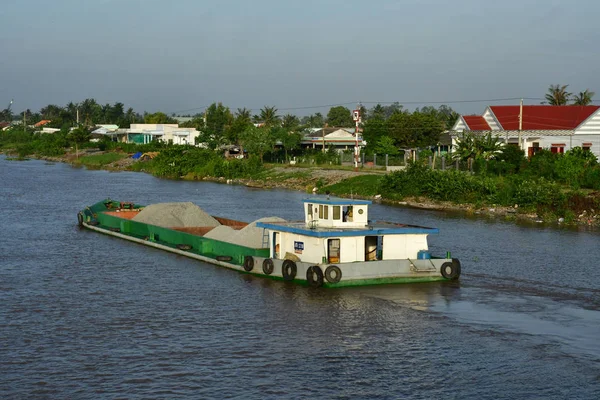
583	98
257	140
340	116
241	122
385	145
78	136
290	122
488	146
465	148
218	121
268	116
557	95
158	118
289	140
378	111
314	120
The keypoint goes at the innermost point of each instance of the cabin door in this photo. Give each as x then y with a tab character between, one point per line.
333	251
373	248
275	247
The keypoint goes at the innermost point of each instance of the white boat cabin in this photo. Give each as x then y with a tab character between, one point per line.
338	230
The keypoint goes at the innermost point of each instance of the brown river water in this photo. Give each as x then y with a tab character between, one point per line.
88	316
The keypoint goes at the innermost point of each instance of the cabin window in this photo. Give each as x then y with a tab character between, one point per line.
333	251
347	214
310	214
336	213
323	211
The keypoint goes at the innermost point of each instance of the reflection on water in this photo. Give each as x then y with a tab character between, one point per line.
86	316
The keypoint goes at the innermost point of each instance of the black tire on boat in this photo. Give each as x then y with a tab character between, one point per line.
288	270
115	229
456	262
333	274
268	266
248	263
184	246
223	258
450	270
314	276
79	219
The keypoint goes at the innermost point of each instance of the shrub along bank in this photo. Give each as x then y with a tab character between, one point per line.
550	200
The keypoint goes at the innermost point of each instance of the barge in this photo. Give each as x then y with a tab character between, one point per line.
336	245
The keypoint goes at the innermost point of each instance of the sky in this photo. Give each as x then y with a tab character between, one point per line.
179	56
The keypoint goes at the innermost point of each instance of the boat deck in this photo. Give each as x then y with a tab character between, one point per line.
194	230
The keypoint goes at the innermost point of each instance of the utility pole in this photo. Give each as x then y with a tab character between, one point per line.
356	117
78	117
520	123
24	122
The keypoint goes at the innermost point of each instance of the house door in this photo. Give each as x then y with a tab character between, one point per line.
333	251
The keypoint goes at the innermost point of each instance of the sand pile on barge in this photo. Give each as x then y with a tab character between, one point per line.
175	215
249	236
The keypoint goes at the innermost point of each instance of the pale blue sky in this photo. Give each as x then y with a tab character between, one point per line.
174	55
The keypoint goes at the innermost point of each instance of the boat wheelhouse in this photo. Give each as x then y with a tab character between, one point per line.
337	245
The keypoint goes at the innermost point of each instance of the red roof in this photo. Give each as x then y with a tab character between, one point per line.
42	123
541	117
476	123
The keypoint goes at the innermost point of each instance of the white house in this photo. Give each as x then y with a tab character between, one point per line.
340	138
146	133
555	128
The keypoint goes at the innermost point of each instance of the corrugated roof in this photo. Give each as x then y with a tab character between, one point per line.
476	123
542	117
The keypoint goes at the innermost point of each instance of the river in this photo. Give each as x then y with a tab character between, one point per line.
83	315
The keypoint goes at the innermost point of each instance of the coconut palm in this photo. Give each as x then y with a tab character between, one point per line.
557	95
583	98
269	117
290	121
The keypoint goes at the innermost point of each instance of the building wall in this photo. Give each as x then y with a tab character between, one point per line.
489	118
591	126
569	141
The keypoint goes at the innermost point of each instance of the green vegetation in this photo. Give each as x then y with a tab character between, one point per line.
481	171
100	160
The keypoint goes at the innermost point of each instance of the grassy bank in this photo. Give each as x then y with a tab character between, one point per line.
514	195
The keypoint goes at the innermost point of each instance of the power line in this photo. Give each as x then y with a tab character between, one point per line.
412	102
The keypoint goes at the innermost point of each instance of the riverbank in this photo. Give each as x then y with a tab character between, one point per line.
342	182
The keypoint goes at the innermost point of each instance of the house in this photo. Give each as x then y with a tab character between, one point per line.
42	123
146	133
556	128
339	138
111	131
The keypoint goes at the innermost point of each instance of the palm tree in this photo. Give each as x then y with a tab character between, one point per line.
243	114
557	95
269	117
583	98
290	121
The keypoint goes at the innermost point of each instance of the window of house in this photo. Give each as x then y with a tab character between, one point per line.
557	148
586	146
